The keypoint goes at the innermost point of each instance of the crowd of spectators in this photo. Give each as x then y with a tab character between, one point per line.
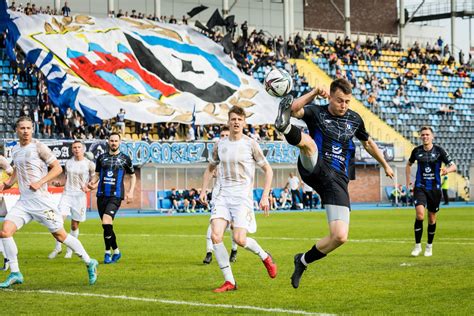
255	51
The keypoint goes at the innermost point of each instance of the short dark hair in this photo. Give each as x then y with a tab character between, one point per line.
225	129
426	127
77	141
115	133
342	84
23	119
237	110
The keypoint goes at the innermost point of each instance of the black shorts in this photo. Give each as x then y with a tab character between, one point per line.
330	185
430	199
108	205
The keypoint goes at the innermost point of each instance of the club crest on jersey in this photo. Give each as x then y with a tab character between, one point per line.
110	173
336	149
427	169
348	126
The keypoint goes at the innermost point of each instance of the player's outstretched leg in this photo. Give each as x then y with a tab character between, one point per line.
208	258
240	237
11	253
5	260
222	256
77	247
338	217
69	252
282	122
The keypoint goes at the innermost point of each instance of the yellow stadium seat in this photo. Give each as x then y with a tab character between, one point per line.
135	137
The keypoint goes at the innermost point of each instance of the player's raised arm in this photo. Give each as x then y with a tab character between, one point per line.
372	148
298	104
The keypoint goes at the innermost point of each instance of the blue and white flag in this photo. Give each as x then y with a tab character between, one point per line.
157	72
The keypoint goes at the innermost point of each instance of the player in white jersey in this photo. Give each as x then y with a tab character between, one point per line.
237	155
209	247
31	159
4	165
79	171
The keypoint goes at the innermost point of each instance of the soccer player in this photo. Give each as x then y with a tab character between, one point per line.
110	170
4	165
427	191
225	132
79	171
31	159
324	160
238	154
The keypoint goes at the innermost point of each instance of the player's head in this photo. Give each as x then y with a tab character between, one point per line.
225	132
426	135
24	128
78	149
236	120
340	94
114	141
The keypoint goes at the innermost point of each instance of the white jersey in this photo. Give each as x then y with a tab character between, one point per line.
78	174
31	163
5	165
294	183
237	161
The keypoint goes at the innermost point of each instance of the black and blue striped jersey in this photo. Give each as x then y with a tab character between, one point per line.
112	169
333	136
429	166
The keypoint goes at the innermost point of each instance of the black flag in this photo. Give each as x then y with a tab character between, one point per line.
227	43
203	27
216	19
196	10
229	21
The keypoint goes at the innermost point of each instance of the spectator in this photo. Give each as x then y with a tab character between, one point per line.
66	10
446	71
458	93
294	185
285	198
175	199
307	196
58	120
14	85
47	120
120	121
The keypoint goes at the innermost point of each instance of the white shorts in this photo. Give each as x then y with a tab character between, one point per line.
43	210
74	205
237	210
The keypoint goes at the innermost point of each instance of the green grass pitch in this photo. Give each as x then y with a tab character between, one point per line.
161	271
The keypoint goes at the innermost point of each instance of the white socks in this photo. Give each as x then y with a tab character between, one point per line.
116	251
234	244
222	257
11	253
209	247
58	246
254	247
76	246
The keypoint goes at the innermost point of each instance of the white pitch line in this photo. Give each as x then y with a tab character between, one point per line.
172	302
390	241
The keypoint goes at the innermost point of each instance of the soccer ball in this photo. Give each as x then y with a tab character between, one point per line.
278	83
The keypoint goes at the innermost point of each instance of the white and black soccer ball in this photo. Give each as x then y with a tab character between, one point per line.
278	83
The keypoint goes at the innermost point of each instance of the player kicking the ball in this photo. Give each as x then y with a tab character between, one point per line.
79	171
31	160
324	160
238	154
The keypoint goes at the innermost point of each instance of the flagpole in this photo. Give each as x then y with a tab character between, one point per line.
157	8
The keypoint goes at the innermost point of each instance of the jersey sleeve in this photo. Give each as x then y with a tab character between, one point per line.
91	169
412	156
310	112
98	164
5	165
445	157
361	133
45	153
214	159
129	166
258	155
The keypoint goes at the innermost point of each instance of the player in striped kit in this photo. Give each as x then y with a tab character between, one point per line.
79	171
209	247
238	154
31	159
4	165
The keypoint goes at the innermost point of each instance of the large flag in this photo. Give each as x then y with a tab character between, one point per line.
157	72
